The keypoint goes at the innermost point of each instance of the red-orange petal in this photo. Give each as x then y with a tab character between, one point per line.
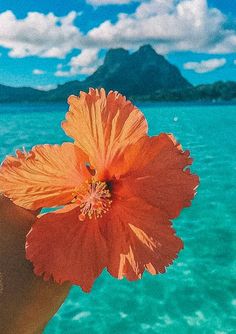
139	237
103	126
155	170
62	247
44	177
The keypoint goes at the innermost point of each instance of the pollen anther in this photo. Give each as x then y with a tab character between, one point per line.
94	199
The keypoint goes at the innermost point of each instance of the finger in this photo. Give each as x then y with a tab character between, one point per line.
37	300
9	212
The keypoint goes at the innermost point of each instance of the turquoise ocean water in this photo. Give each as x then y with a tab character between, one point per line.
198	292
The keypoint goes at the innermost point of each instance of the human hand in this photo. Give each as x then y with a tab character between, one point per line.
26	301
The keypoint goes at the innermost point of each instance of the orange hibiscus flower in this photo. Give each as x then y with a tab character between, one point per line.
119	188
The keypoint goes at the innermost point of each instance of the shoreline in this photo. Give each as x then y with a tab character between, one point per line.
134	101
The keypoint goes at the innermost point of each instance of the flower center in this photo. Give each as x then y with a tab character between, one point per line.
93	198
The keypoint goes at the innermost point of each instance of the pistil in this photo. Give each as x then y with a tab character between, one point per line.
94	199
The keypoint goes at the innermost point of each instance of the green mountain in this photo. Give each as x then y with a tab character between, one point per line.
19	94
218	91
143	75
138	74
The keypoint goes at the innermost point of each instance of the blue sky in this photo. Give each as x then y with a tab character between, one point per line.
48	42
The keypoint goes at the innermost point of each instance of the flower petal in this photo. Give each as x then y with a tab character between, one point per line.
62	247
139	237
44	177
102	126
155	170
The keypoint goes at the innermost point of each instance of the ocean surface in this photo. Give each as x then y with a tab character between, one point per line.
197	294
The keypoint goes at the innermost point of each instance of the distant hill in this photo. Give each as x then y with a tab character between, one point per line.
20	94
138	74
143	75
216	92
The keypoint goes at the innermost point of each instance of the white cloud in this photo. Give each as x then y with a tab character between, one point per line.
46	87
153	7
43	35
108	2
186	25
85	63
37	71
88	70
62	73
205	66
227	43
86	58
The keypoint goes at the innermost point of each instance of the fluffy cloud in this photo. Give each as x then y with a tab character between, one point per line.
186	25
108	2
205	66
85	63
46	87
36	71
43	35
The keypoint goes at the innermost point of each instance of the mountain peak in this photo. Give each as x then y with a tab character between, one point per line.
139	73
114	56
146	48
147	52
